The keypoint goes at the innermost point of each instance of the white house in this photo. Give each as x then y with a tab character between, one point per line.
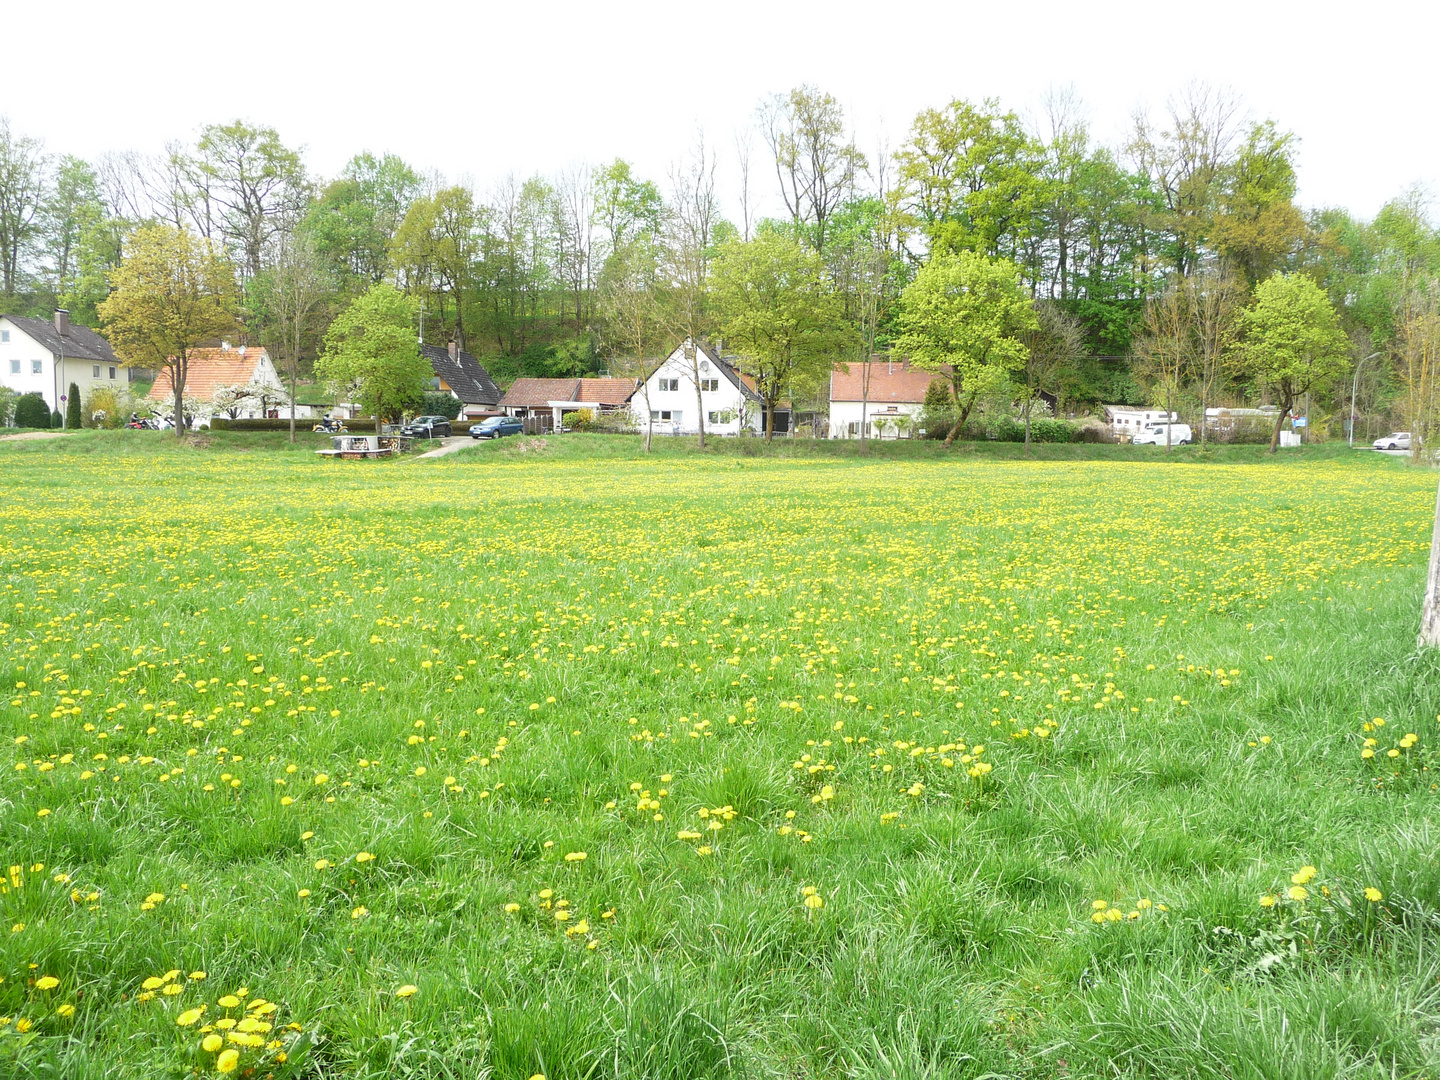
38	356
883	396
727	396
1125	420
240	383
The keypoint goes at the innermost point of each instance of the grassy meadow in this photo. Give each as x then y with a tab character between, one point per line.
550	759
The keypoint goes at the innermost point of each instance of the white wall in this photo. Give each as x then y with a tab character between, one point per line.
726	398
845	413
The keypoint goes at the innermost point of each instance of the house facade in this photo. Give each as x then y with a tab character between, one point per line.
240	383
45	357
882	397
548	400
727	397
461	374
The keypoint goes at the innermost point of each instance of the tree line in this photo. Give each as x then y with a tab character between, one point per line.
1134	268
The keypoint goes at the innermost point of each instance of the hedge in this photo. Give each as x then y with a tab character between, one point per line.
224	423
1002	429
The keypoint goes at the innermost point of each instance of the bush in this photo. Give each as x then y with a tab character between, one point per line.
104	408
1001	429
31	411
72	408
7	405
56	420
224	423
581	420
440	403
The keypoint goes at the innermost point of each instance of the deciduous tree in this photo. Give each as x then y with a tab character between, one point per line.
966	316
1292	341
777	309
371	345
172	292
815	164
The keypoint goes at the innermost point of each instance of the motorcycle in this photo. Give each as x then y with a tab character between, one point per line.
329	426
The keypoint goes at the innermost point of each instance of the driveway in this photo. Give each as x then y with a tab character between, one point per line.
449	446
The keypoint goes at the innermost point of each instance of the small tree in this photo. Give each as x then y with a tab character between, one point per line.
1057	340
372	345
633	322
1293	343
171	293
1165	347
966	316
778	308
72	408
7	405
31	411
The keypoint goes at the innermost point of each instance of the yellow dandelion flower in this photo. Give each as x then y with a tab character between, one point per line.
407	991
1297	892
46	982
190	1016
211	1043
228	1061
1374	895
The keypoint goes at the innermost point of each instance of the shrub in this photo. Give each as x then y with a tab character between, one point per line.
56	420
224	423
31	411
7	405
581	420
104	408
72	408
439	403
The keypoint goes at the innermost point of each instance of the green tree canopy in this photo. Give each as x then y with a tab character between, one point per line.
1293	343
371	347
171	293
778	309
966	316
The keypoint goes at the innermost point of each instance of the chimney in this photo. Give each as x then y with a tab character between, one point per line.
454	351
62	322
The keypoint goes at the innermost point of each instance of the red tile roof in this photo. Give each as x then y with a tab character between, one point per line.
526	392
207	371
609	391
890	381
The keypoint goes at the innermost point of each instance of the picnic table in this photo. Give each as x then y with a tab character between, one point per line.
366	446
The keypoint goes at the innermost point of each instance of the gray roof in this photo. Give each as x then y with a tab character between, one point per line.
730	373
81	343
470	382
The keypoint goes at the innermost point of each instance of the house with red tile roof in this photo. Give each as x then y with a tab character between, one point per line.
551	399
241	383
883	395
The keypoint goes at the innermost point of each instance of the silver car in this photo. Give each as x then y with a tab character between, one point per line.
1396	440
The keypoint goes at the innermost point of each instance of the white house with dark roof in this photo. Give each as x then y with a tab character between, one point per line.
727	396
40	356
462	375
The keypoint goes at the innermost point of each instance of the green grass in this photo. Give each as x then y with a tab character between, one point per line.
551	621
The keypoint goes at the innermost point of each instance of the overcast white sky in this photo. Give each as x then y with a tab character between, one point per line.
477	90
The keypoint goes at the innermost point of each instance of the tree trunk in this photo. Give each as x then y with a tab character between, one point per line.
294	367
177	383
1275	435
769	420
699	409
1169	420
1027	426
1430	609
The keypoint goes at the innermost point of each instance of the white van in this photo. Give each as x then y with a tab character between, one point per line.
1154	435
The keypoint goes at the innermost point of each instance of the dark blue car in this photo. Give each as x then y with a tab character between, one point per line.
495	427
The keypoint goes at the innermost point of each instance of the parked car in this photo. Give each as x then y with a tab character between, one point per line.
427	427
1154	435
1396	440
495	427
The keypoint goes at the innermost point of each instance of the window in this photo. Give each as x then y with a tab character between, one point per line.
4	336
95	371
713	417
112	373
665	414
669	384
710	385
14	367
37	367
